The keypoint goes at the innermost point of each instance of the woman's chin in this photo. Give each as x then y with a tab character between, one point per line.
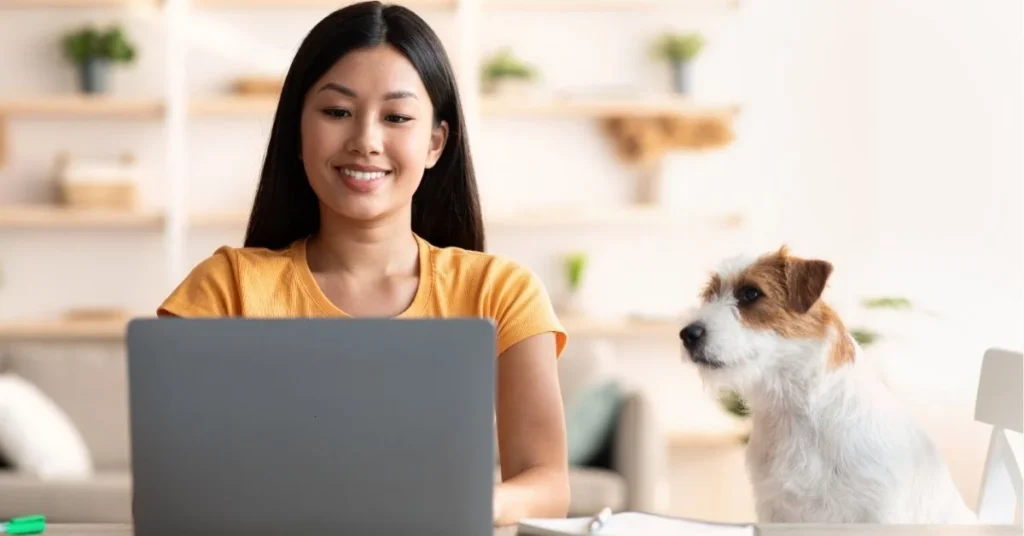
359	211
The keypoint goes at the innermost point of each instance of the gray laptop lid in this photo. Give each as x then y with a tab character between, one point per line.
312	426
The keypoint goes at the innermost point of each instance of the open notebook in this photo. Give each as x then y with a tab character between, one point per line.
634	523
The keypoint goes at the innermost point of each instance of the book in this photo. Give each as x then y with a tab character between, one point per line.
634	523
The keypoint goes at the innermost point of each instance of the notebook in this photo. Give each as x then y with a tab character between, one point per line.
634	523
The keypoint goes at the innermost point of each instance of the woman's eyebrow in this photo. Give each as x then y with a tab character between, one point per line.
391	95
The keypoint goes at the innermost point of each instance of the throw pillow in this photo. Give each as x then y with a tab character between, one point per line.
590	419
36	436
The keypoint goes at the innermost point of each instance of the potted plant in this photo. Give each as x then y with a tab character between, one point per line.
504	73
575	268
93	51
679	50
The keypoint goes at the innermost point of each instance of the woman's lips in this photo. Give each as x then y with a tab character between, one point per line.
361	179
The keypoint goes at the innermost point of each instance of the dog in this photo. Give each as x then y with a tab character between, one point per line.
828	443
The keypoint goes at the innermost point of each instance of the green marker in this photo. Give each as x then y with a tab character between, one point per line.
24	525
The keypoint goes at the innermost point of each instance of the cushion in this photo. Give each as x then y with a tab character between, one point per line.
590	419
36	436
588	376
90	383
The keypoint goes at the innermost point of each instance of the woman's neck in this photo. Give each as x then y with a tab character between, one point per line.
379	248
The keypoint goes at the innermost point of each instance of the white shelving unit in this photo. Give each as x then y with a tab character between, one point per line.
176	222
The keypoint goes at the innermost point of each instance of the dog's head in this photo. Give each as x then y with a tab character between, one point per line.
760	315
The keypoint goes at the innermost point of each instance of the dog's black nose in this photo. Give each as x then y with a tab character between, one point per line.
692	334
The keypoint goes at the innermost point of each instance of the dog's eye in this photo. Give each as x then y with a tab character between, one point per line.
748	295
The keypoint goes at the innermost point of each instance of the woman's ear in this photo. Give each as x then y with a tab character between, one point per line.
438	138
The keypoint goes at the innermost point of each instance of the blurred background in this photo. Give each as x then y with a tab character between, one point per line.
624	148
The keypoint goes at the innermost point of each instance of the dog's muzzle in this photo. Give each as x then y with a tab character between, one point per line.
693	337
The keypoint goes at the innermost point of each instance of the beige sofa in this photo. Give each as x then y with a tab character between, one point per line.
87	380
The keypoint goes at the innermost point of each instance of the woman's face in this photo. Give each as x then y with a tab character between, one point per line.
368	133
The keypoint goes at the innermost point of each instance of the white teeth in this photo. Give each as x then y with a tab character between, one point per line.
363	175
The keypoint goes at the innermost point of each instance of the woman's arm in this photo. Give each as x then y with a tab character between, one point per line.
531	433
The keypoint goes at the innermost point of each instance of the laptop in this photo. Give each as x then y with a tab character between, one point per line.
312	426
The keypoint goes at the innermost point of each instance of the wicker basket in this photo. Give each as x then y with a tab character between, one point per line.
109	186
93	196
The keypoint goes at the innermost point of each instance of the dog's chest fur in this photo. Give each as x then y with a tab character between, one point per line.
802	472
846	457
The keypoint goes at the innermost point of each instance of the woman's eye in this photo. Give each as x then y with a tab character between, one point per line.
336	112
398	118
748	295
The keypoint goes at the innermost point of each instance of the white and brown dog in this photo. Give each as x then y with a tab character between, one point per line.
829	442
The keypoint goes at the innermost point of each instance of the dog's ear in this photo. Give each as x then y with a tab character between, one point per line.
805	281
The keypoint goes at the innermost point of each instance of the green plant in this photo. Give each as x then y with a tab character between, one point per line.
678	47
866	337
734	404
89	43
575	265
504	64
886	302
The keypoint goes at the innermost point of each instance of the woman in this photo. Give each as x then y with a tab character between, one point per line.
367	206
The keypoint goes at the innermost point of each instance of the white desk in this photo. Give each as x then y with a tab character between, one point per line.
765	530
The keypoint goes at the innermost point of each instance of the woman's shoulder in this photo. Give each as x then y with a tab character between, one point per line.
214	286
497	287
237	262
492	270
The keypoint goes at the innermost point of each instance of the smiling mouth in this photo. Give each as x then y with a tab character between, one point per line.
362	175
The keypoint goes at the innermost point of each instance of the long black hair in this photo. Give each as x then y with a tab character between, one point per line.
445	207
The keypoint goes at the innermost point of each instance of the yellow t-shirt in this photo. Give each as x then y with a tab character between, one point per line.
263	283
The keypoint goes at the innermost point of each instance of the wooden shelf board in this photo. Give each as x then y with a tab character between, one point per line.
596	107
724	437
36	4
629	327
64	106
219	219
64	329
51	217
58	329
575	5
336	4
234	106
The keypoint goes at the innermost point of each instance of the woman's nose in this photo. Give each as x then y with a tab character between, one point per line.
367	138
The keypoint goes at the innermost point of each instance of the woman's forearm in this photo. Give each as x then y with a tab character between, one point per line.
537	492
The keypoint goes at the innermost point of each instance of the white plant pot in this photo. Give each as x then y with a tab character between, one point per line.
511	87
570	303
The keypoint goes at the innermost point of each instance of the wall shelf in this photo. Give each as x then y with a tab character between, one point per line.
114	330
620	328
56	217
711	438
336	4
65	106
58	330
575	5
36	4
234	106
567	108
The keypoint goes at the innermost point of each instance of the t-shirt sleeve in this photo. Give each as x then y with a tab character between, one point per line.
524	309
210	289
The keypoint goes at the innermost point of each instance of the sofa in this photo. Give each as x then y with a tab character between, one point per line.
87	380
